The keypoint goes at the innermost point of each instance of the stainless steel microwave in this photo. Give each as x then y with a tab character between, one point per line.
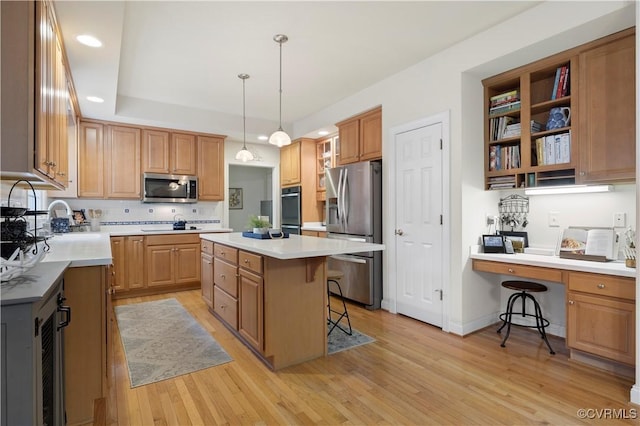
161	188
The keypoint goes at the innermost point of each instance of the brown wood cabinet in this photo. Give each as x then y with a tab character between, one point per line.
360	138
225	284
206	272
320	234
172	260
598	142
211	168
169	152
128	263
91	160
601	316
122	162
290	160
607	111
325	158
251	315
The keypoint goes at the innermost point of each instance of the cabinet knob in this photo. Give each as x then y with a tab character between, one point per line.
246	261
601	286
223	276
571	302
511	270
221	253
582	173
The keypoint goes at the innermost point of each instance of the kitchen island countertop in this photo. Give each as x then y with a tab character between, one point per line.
294	247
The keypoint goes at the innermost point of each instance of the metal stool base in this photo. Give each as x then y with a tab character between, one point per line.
541	322
341	315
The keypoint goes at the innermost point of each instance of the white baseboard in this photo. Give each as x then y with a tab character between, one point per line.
635	394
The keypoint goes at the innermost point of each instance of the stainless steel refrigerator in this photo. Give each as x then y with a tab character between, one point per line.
354	212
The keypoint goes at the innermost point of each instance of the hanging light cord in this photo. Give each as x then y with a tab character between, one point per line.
244	119
280	43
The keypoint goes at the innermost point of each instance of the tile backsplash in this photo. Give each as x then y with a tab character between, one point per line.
121	212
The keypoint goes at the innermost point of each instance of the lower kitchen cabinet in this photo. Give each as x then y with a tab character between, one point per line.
206	272
250	318
155	264
225	284
601	316
88	341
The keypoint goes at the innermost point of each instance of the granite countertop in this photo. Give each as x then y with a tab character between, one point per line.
33	285
294	247
617	268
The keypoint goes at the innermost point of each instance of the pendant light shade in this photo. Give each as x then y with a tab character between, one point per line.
244	154
280	137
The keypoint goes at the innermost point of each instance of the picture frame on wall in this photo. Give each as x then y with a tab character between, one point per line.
235	198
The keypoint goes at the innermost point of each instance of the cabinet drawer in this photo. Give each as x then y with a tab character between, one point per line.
523	271
225	306
206	246
251	261
603	285
153	240
227	253
225	276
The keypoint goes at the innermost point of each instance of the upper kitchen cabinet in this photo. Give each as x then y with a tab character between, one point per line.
608	111
360	138
165	152
325	158
108	161
211	168
290	164
35	92
122	162
564	119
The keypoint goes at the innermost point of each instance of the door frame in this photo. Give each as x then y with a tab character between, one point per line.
389	301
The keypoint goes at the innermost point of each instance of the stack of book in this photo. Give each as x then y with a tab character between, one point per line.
499	125
504	157
502	182
504	102
561	82
513	130
553	149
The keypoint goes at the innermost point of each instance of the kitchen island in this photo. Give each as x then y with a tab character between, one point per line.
272	293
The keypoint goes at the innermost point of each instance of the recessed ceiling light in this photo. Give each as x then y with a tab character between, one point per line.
88	40
263	138
323	133
95	99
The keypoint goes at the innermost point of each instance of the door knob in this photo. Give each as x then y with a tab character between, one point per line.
399	232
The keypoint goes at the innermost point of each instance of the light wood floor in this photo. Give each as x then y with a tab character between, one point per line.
413	374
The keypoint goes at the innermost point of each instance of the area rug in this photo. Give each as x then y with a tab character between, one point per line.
339	341
162	340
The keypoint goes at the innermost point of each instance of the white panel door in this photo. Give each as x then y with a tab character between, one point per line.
418	229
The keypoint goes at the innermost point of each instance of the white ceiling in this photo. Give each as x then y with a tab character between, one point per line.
162	60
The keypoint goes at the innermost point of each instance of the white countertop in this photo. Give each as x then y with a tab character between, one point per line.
611	268
32	286
94	248
294	247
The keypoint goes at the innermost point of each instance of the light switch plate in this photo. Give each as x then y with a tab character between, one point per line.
619	220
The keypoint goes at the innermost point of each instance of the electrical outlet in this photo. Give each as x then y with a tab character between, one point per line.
619	220
553	220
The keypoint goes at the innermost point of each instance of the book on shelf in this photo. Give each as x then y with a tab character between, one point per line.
563	76
555	83
502	182
498	126
501	109
561	82
504	157
565	85
553	149
503	98
599	244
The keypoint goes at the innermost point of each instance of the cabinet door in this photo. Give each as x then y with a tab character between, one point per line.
90	161
119	261
607	112
155	151
210	168
122	162
371	136
183	154
59	144
251	316
135	261
206	278
602	326
349	142
290	164
45	47
187	263
160	265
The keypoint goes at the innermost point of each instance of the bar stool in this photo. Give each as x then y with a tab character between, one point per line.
524	288
333	278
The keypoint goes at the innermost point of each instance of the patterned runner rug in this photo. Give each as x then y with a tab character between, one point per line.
162	340
340	341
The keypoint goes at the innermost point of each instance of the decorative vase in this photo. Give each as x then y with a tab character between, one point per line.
260	230
558	117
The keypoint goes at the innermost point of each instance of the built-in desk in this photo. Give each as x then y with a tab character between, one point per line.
600	298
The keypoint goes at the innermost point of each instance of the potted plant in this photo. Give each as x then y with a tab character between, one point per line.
259	225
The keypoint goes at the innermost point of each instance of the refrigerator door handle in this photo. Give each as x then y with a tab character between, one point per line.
345	190
348	259
339	196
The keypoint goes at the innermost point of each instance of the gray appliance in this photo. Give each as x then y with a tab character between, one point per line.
354	212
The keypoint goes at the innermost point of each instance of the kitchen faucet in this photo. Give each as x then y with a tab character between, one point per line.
64	203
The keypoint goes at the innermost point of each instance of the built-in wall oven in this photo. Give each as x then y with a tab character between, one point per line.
291	209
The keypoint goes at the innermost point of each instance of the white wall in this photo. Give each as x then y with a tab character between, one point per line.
451	80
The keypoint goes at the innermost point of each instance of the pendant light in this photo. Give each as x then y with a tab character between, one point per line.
244	154
280	137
